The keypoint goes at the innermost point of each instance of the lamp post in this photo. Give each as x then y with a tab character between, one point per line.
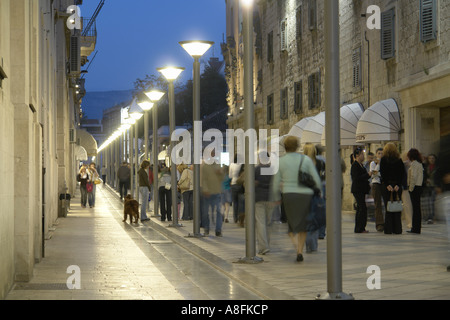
171	74
333	171
249	118
155	96
136	113
146	106
196	49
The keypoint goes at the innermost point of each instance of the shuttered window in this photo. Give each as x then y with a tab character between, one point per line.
312	14
270	109
283	35
270	46
428	20
388	34
356	60
284	103
298	103
314	90
298	24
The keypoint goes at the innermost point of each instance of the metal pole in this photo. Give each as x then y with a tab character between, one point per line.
333	169
146	156
196	171
173	166
249	168
136	162
131	163
155	146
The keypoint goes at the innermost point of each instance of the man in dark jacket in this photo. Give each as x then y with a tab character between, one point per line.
263	208
124	174
360	187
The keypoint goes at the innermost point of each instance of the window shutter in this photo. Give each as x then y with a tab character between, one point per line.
283	35
314	90
270	46
388	34
283	103
312	12
356	59
298	21
298	97
270	109
428	21
75	63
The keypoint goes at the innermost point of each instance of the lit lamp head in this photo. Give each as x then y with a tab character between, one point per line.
155	95
171	73
145	105
135	111
196	48
247	3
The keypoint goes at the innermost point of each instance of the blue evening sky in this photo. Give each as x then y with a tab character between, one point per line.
137	36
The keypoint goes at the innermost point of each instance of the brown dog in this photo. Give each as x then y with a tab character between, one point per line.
130	208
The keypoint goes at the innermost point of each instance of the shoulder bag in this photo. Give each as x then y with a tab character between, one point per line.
304	178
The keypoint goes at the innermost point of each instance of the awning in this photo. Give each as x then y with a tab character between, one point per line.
314	129
350	115
299	127
162	155
381	122
87	141
80	153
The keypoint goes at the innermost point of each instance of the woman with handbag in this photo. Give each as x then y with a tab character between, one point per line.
415	181
296	197
83	178
360	187
392	172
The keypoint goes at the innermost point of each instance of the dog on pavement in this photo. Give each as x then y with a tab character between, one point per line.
130	208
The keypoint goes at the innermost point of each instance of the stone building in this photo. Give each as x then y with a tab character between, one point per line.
400	65
40	60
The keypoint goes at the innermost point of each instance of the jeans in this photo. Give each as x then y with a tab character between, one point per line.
83	192
213	202
312	240
188	209
238	205
263	221
143	193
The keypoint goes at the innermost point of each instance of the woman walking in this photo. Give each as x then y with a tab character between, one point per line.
83	179
296	197
415	181
392	172
186	186
144	188
360	187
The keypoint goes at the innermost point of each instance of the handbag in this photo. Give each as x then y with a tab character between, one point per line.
394	205
168	186
89	187
317	215
98	181
304	178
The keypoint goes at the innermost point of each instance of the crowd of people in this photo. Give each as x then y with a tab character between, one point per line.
403	187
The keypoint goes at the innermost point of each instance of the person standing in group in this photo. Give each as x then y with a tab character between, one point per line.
144	188
124	174
83	179
226	193
186	186
374	168
263	208
295	197
429	190
237	189
92	171
360	187
211	178
415	181
165	195
103	171
392	172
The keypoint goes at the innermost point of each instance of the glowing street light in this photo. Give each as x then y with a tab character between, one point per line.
171	74
196	48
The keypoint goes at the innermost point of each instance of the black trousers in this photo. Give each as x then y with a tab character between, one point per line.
392	220
165	203
123	188
361	212
417	211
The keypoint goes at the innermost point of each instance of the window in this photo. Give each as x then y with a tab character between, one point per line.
270	47
298	23
270	109
388	34
284	103
312	15
314	90
298	97
428	20
283	35
356	60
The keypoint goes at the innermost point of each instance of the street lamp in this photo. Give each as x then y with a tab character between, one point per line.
171	74
146	106
155	96
196	49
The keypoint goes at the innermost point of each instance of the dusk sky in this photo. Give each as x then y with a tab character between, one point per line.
137	36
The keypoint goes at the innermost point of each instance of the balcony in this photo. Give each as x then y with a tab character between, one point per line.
88	38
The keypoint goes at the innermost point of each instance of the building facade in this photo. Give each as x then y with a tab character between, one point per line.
396	51
39	116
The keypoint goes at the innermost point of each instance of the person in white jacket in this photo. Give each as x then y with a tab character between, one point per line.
415	181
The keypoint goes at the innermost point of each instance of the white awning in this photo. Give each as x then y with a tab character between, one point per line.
80	153
299	127
162	155
381	122
87	141
313	130
350	115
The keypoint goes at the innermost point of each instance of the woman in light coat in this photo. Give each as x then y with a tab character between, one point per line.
415	181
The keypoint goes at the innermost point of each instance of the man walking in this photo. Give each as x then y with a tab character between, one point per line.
124	174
